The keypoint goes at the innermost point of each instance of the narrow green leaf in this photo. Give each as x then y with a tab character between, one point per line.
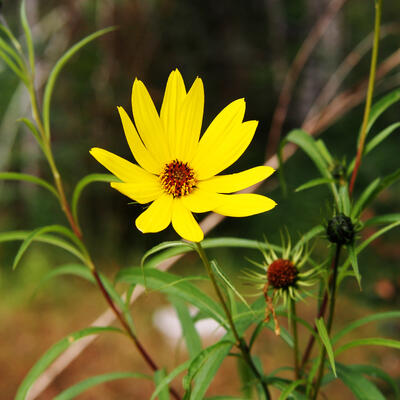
53	353
309	146
33	129
289	390
49	239
391	343
162	384
163	394
57	69
381	106
382	219
83	183
314	182
376	372
323	334
354	263
40	231
12	38
11	52
247	381
88	383
67	269
13	67
17	176
199	361
365	197
366	320
344	200
192	338
221	274
362	388
324	151
28	36
164	281
374	142
283	384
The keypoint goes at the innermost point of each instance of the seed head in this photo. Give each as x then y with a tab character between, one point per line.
340	230
282	274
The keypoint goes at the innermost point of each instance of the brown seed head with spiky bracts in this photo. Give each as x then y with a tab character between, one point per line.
282	273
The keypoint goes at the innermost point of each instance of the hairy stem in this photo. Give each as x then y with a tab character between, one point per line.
240	343
370	91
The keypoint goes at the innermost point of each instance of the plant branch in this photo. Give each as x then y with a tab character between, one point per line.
240	343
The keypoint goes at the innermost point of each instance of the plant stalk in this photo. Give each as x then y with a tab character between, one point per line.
332	301
295	338
370	91
240	343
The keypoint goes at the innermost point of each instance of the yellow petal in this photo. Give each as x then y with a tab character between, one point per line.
148	123
244	204
235	182
121	168
221	136
157	217
201	201
174	94
184	223
184	140
143	191
141	154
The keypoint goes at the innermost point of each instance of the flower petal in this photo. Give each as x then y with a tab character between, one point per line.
139	151
235	182
185	139
174	95
121	168
184	223
244	204
143	191
148	123
157	217
224	135
201	201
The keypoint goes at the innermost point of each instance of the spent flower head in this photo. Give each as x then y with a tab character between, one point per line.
177	170
283	278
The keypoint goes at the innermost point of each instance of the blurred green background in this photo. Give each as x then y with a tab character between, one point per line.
239	49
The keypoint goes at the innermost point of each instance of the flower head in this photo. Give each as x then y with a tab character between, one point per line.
282	277
176	169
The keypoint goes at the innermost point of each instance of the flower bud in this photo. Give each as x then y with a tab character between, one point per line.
340	230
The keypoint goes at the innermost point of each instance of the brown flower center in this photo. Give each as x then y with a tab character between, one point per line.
282	274
177	178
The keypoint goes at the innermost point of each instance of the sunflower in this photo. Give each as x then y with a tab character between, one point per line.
176	169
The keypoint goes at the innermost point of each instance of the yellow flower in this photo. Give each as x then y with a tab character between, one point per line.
177	169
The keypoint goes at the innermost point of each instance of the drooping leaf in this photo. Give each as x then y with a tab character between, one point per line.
391	343
362	388
54	351
75	390
17	176
28	36
365	320
57	69
83	183
192	338
165	282
324	336
46	229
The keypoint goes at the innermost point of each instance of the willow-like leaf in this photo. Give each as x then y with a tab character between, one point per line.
324	336
57	69
158	377
290	389
354	263
75	390
17	176
365	198
53	353
83	183
391	343
314	182
28	36
33	129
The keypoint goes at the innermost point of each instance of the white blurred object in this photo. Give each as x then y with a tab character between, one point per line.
167	322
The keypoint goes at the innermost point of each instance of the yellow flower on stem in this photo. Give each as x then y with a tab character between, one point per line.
177	169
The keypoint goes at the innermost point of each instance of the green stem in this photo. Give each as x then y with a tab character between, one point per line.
240	343
331	312
295	338
370	91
